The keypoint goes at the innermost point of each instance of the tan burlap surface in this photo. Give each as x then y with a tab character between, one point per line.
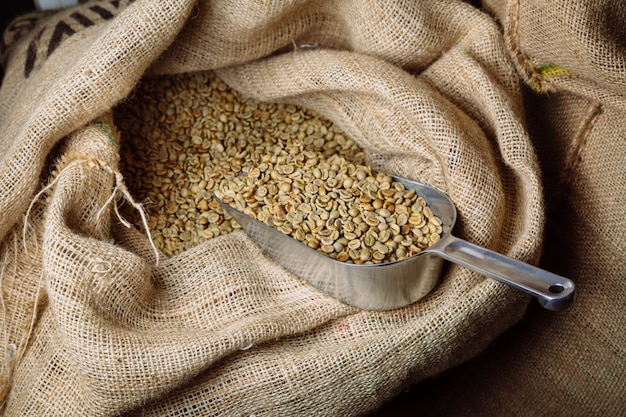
93	325
572	363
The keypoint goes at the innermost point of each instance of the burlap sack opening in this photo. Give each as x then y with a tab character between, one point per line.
427	90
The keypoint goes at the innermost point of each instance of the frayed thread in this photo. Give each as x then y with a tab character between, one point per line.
120	187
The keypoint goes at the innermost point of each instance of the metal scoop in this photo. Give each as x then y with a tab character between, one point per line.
397	284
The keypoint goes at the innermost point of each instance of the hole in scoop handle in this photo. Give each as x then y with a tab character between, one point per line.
554	292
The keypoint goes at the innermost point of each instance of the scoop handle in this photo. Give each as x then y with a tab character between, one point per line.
554	292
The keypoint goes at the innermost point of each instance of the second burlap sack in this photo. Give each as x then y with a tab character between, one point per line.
572	363
93	326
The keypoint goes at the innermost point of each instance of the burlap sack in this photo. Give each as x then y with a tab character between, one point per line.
572	363
93	326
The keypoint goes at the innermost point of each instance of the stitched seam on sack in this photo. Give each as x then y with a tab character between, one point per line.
574	156
580	144
589	327
521	60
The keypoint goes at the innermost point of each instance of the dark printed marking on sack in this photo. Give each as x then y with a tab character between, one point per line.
18	28
82	19
64	29
60	30
104	13
31	54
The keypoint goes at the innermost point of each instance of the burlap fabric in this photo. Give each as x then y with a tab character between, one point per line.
92	325
572	363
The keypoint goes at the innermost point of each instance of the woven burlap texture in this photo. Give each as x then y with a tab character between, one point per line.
572	363
93	325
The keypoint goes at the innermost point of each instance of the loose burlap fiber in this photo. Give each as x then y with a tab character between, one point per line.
572	363
94	325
